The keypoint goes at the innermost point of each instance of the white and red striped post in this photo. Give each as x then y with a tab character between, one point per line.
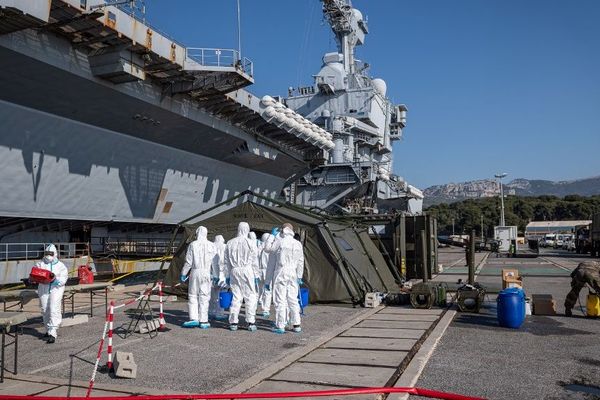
100	347
109	350
161	316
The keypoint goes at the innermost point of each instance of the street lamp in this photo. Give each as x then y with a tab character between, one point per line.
499	177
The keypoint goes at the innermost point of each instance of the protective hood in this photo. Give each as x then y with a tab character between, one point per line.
288	232
243	229
252	236
219	239
265	237
54	257
201	233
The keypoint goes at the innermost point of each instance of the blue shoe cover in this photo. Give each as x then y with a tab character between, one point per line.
278	331
233	327
297	329
204	325
191	324
266	314
252	328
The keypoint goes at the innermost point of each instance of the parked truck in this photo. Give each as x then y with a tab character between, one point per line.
595	235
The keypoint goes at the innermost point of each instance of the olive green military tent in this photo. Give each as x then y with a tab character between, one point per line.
341	261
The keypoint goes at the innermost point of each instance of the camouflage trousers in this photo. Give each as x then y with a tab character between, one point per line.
587	272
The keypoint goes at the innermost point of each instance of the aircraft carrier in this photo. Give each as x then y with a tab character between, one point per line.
112	131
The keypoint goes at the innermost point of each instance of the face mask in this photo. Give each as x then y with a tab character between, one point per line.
48	259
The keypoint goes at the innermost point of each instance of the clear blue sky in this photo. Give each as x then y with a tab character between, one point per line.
491	85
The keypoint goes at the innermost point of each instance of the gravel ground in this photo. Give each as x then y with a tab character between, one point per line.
181	360
477	357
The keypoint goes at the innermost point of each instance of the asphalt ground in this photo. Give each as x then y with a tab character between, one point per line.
180	360
477	357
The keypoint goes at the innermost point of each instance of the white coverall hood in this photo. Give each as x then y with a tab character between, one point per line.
201	233
53	258
243	229
264	237
252	235
219	240
288	232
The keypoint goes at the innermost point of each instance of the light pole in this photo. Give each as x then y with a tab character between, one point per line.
499	177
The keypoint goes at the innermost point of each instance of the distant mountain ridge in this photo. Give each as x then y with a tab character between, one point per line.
452	192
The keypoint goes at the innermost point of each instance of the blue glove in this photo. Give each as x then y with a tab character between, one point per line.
268	287
182	278
275	231
300	282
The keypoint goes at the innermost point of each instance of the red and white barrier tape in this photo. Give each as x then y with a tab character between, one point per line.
434	394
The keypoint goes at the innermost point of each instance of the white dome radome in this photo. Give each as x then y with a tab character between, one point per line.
380	86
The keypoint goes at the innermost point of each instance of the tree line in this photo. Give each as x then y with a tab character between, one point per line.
467	215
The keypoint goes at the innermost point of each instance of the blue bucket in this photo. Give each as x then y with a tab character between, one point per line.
303	297
225	299
511	308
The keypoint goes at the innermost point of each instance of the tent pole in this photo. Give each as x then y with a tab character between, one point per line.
346	267
362	244
389	260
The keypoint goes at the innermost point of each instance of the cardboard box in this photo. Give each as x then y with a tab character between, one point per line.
543	304
511	278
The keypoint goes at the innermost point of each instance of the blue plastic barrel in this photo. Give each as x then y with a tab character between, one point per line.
511	308
303	297
225	299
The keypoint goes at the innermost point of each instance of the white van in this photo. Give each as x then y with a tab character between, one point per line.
549	240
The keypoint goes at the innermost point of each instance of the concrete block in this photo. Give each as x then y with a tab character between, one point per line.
152	326
76	319
372	300
125	366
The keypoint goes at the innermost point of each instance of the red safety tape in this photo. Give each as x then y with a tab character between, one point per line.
435	394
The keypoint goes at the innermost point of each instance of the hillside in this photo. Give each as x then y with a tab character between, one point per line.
478	189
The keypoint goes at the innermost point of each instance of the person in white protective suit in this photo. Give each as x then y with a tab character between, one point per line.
199	262
286	276
51	294
265	262
218	280
241	262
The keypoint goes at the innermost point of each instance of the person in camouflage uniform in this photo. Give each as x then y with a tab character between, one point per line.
586	272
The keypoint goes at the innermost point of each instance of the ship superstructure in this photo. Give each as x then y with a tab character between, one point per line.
345	101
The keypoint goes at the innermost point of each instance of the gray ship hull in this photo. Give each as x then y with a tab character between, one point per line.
73	146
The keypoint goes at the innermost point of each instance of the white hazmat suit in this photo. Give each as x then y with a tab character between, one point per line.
218	279
241	262
199	262
51	294
285	277
265	262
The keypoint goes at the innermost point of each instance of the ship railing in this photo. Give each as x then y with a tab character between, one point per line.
202	57
146	247
35	251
